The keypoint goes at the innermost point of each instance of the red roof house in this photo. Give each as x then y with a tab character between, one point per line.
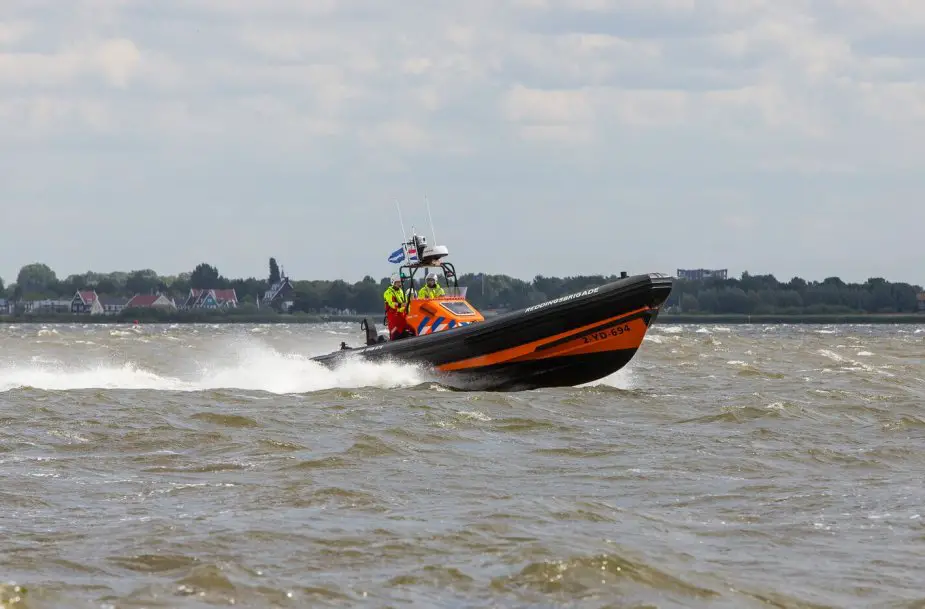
150	301
86	301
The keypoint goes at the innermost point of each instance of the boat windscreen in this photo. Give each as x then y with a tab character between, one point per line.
458	308
456	292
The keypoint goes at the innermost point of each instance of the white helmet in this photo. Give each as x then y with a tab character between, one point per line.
432	278
396	278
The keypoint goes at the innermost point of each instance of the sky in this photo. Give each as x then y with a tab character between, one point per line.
554	137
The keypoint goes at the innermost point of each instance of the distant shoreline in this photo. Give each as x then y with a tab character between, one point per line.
146	317
307	318
842	318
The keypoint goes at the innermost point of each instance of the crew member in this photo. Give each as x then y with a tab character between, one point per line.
431	289
394	309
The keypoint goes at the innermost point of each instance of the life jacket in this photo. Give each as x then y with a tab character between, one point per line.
394	298
431	292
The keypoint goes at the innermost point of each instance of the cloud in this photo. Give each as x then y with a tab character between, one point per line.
13	31
328	110
111	61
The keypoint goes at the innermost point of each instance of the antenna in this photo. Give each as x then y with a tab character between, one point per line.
402	222
433	233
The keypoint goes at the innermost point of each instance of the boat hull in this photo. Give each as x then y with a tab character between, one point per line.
567	371
568	341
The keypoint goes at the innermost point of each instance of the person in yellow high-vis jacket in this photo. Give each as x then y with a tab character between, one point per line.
395	310
431	288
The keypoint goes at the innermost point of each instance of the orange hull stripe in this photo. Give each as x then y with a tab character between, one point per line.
624	336
622	340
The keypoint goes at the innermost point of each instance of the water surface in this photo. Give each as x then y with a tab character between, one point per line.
202	466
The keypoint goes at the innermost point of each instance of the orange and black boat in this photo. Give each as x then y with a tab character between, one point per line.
566	341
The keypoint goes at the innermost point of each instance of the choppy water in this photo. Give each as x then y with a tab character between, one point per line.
201	466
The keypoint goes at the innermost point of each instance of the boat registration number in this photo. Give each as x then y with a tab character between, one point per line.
605	334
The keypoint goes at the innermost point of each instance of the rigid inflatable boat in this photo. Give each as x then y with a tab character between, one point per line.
566	341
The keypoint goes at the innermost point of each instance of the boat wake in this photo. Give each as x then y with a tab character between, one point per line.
259	370
253	368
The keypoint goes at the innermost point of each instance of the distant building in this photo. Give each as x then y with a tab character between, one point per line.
86	301
921	298
279	296
211	299
150	301
47	305
112	305
698	274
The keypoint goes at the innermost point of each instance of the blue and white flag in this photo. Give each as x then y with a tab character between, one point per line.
397	256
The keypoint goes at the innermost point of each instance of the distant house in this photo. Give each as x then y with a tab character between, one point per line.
112	305
6	307
921	298
698	274
47	306
86	301
150	301
279	296
210	299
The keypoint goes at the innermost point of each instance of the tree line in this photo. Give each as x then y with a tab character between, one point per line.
765	295
748	294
